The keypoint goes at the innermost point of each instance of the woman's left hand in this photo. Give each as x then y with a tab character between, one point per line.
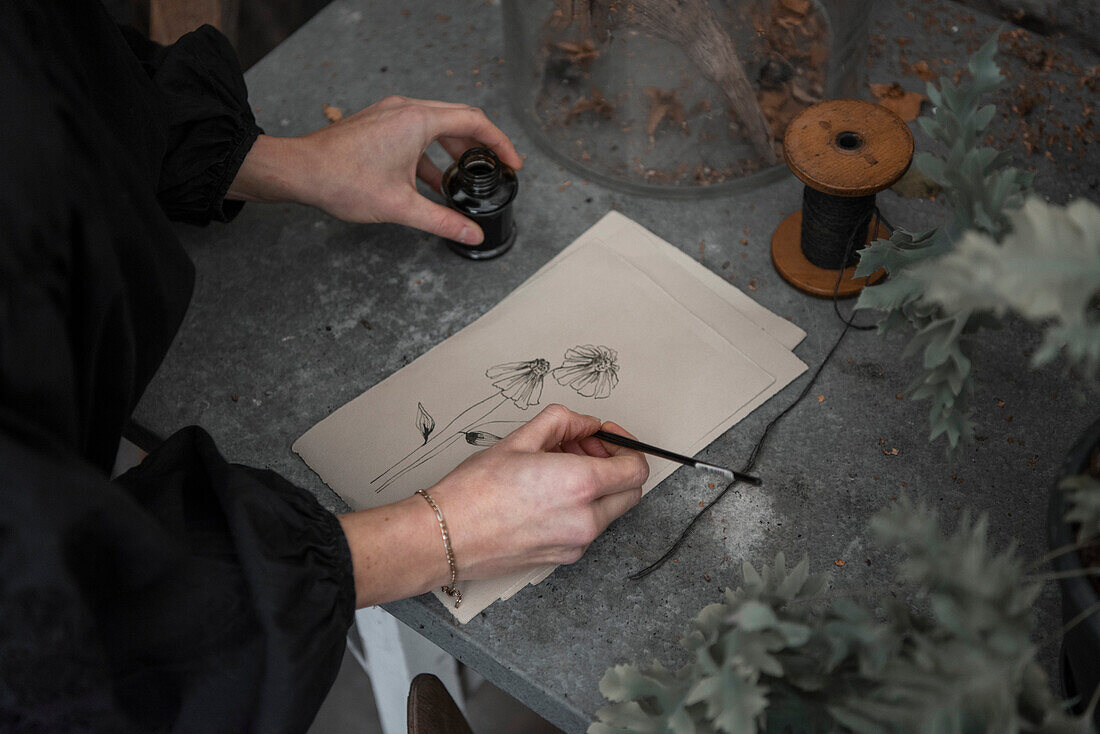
364	167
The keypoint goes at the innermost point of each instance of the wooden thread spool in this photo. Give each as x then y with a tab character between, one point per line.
839	148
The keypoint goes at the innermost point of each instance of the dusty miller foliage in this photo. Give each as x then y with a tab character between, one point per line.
1046	269
775	656
980	188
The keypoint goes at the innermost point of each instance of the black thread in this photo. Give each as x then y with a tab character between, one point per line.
829	222
848	252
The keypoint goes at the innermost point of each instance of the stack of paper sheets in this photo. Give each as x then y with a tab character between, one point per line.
620	324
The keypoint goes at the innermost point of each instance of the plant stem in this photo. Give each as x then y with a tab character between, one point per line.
1092	704
1061	551
1080	618
1065	574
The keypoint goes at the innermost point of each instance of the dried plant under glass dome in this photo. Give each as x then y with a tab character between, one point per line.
676	97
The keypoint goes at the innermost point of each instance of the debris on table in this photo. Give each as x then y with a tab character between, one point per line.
897	99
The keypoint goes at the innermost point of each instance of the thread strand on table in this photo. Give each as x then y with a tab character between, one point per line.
849	247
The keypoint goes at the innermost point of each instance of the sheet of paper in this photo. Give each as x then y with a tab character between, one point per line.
649	253
628	237
677	380
719	314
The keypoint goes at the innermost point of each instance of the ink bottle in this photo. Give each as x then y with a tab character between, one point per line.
481	187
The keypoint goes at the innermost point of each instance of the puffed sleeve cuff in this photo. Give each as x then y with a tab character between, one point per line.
276	579
210	126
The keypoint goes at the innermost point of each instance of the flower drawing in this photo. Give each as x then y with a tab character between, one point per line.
591	371
481	438
424	422
520	382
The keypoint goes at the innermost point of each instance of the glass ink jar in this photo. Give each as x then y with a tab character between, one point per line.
480	186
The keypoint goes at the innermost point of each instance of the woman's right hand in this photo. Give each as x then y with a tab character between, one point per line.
539	496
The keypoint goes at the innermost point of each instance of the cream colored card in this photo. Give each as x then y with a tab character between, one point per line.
718	304
731	324
627	237
594	333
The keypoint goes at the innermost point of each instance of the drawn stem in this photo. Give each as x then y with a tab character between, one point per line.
438	449
430	445
447	444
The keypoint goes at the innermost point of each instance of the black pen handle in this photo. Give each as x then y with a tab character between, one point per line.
630	443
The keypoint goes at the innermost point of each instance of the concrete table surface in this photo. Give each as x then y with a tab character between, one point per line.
295	313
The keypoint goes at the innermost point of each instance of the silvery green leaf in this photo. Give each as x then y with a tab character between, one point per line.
1083	499
628	718
952	96
794	634
710	619
893	295
790	587
779	568
754	584
623	683
734	704
931	166
986	74
814	586
751	653
754	615
1046	269
983	116
933	93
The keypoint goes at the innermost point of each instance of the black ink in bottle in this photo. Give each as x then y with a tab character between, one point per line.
483	188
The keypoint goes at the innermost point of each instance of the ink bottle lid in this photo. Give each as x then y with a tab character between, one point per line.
482	187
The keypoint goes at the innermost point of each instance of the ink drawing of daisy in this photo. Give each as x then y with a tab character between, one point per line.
592	371
520	382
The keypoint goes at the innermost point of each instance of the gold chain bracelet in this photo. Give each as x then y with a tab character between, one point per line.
451	589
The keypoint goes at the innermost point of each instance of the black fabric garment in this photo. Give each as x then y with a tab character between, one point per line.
190	595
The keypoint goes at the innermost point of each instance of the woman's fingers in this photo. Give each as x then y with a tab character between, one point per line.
455	147
472	123
593	446
556	426
438	220
572	447
611	506
618	473
429	173
397	100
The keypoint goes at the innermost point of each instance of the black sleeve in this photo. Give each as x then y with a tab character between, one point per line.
189	595
210	127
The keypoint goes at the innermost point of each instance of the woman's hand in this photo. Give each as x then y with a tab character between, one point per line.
539	496
364	167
